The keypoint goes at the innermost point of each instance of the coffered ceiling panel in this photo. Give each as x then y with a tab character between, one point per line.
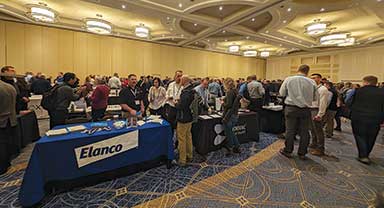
277	26
221	11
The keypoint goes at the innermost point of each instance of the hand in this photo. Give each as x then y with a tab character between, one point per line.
25	99
317	118
142	110
132	112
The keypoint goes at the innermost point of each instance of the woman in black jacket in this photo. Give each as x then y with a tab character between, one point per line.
230	116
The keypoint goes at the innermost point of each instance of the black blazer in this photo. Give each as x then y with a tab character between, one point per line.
368	103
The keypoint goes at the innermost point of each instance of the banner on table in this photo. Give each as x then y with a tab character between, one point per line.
91	153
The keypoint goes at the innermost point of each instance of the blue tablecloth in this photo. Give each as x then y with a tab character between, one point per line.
54	159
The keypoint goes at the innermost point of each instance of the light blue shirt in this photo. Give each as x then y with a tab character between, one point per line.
204	93
243	88
215	89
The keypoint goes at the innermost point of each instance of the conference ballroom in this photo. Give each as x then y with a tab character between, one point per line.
192	103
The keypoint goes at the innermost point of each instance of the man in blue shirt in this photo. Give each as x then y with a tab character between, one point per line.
202	90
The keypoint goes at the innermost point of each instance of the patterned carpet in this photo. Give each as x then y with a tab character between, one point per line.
259	177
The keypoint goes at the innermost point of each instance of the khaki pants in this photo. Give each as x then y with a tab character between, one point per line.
329	122
184	136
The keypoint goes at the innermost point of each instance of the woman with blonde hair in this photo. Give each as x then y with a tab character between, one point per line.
230	116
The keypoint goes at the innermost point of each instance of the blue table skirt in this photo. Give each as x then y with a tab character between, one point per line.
54	159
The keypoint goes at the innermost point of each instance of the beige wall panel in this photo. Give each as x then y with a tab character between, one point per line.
66	51
133	61
156	60
80	55
15	45
148	67
50	51
117	57
33	48
2	44
214	65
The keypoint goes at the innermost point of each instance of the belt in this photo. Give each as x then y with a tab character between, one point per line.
296	106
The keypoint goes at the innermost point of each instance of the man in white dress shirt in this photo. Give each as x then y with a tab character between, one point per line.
172	96
300	92
318	110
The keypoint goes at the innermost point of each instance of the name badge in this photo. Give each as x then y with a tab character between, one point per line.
137	102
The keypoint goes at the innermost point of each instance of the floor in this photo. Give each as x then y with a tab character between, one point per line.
259	177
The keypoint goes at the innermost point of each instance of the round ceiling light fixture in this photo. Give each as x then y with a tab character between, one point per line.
142	31
333	39
41	13
316	28
265	54
234	48
348	42
98	26
250	53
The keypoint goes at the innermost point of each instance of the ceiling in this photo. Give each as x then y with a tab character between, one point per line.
277	26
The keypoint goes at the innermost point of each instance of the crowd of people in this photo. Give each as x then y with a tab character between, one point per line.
311	105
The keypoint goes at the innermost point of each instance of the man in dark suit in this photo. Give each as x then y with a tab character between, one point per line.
367	107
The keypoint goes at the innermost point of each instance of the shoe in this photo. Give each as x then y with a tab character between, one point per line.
286	154
229	152
303	157
317	152
364	160
312	146
337	129
237	150
189	160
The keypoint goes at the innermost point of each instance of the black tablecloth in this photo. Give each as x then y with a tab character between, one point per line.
113	100
29	128
272	121
208	134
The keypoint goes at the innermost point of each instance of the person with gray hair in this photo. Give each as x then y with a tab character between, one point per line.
184	119
99	99
256	92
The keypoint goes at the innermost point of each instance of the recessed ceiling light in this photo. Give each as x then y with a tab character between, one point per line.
168	18
284	21
322	9
171	29
123	6
208	40
180	5
289	9
42	13
224	31
370	38
98	26
253	19
300	41
226	40
247	37
1	5
196	43
285	37
221	8
195	24
267	31
162	35
182	35
281	45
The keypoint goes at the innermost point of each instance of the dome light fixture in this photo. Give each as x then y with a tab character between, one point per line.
348	42
316	28
250	53
264	54
41	13
333	39
234	48
98	26
142	31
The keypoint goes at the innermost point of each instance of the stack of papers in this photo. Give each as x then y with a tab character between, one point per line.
140	123
159	121
76	128
205	117
216	116
56	132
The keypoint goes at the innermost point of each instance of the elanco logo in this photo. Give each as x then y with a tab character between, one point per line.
91	153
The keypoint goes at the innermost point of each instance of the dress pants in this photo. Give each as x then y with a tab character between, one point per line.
184	136
57	117
6	135
297	120
98	114
256	104
338	118
329	118
317	132
365	132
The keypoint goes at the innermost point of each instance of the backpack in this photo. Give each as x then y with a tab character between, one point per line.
195	106
48	102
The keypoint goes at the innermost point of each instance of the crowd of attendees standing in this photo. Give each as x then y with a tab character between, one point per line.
312	104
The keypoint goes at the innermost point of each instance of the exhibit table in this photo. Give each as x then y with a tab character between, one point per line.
78	155
272	119
208	133
28	128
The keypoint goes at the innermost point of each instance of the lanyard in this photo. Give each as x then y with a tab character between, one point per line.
133	92
178	90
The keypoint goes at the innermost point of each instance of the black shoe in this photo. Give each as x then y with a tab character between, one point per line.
237	150
337	129
286	154
364	160
303	157
229	152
